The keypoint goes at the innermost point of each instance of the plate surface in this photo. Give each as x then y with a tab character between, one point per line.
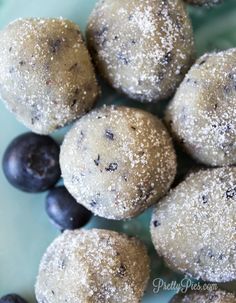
25	231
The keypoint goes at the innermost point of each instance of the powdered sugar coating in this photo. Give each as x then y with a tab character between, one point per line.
194	226
218	296
46	76
93	266
117	161
202	115
143	48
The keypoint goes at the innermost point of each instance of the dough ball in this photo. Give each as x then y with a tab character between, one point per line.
46	76
218	296
142	48
93	266
117	161
203	2
193	227
202	115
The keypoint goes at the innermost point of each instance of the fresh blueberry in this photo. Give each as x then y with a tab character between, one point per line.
64	211
31	162
12	298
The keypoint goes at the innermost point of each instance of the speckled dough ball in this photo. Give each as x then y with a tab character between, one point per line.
193	227
93	266
218	296
46	76
203	2
117	161
202	115
143	48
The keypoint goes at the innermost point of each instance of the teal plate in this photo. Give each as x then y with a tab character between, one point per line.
25	231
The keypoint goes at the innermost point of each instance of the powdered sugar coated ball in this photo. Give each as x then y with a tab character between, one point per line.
93	266
193	227
46	76
202	114
117	161
143	48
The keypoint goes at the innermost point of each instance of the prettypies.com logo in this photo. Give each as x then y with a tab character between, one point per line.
183	286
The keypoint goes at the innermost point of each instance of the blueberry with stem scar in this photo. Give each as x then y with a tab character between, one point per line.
31	162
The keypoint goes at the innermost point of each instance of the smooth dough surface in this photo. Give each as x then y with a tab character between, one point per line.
218	296
194	226
93	266
46	76
202	114
143	48
117	161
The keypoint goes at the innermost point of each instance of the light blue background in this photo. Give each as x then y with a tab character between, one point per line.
24	228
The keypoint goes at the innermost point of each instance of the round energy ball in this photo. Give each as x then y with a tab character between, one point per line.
202	114
46	76
218	296
142	48
93	266
193	227
117	161
203	2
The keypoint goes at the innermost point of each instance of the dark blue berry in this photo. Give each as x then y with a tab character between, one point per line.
12	298
109	135
112	167
64	211
31	162
156	223
97	161
231	193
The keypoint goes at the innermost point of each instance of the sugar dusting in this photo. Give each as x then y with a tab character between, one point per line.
93	266
143	48
46	77
202	115
194	226
120	177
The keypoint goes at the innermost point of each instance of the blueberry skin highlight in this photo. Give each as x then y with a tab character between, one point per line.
12	298
64	211
31	162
